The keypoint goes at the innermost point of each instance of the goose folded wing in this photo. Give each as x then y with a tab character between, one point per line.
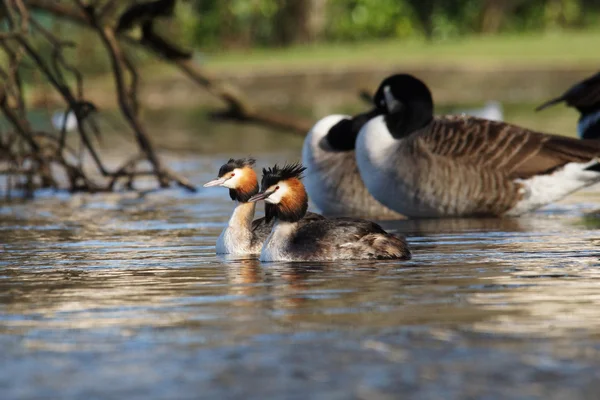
518	152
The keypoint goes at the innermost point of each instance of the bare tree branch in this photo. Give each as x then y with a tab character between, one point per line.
28	155
239	107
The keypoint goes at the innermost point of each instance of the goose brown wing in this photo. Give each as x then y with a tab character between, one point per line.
585	94
516	151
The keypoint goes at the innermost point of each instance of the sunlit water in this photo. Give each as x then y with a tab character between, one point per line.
121	296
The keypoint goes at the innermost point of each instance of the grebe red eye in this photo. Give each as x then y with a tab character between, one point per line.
232	175
276	187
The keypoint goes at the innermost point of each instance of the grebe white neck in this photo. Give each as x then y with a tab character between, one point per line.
275	246
236	238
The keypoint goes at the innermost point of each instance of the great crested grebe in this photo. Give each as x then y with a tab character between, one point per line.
332	179
585	98
317	240
425	166
242	236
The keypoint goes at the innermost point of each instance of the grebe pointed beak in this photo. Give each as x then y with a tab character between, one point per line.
260	196
216	182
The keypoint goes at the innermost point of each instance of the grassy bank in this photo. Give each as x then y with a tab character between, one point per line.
520	71
561	49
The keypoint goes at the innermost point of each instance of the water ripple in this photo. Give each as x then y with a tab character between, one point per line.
124	292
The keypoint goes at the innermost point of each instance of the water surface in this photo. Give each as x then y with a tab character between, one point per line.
121	296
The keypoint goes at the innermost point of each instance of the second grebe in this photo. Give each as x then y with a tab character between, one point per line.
242	236
318	240
426	166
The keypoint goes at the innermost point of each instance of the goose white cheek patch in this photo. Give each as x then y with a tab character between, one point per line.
391	102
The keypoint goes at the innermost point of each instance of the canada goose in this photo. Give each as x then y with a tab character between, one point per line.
585	97
332	178
425	166
317	240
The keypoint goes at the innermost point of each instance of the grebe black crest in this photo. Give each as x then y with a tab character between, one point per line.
274	174
270	177
233	163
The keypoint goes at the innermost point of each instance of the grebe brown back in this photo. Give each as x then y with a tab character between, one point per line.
318	240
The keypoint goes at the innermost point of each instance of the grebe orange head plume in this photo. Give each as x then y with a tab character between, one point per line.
238	176
283	192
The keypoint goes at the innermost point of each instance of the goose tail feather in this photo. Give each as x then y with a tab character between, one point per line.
549	103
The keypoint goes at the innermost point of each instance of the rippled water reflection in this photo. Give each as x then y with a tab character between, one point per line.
121	296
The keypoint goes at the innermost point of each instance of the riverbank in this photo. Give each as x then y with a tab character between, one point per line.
320	79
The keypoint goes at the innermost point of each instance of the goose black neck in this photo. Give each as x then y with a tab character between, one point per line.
410	118
342	136
592	131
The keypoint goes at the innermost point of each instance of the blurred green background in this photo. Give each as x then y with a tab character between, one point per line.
219	27
312	56
220	24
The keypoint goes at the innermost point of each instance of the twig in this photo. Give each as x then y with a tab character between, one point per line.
43	149
64	90
126	103
122	171
17	122
238	105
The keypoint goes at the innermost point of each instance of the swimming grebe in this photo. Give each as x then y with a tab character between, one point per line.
585	98
242	236
317	240
332	179
425	166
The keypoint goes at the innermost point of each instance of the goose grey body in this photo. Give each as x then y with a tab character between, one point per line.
466	166
332	178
